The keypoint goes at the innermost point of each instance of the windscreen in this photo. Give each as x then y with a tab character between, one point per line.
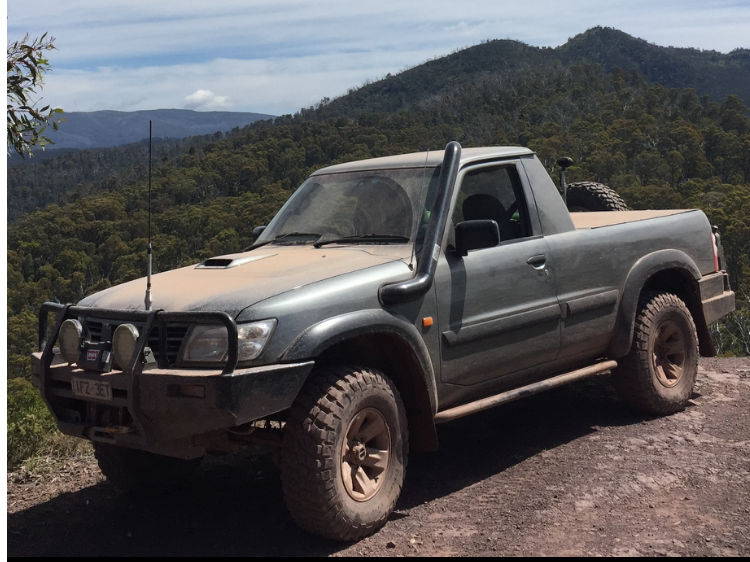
379	205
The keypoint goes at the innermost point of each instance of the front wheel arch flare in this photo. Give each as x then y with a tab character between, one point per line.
324	335
373	338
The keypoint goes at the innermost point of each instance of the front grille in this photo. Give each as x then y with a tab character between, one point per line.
175	335
97	330
94	330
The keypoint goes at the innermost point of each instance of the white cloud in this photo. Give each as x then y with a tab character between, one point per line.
276	56
274	86
206	100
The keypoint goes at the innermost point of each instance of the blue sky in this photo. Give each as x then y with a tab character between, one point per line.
276	56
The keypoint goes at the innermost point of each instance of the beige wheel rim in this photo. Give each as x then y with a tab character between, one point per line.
365	455
669	354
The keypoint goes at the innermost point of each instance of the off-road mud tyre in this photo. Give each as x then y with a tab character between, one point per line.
321	438
585	196
658	375
141	472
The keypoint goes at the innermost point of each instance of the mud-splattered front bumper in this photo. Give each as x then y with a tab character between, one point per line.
157	407
163	409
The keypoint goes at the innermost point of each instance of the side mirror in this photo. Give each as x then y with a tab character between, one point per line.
257	231
473	235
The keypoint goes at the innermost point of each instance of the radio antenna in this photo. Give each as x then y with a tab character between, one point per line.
148	299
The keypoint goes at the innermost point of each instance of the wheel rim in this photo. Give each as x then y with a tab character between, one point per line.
366	454
669	354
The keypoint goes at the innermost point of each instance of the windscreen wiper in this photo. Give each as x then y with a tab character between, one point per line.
364	239
302	237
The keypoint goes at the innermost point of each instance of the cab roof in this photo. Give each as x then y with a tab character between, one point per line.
429	159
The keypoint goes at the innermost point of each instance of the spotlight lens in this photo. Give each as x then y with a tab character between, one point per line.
123	344
70	337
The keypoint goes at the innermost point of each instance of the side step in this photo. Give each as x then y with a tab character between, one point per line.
515	394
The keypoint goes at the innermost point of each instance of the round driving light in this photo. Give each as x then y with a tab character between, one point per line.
123	344
70	338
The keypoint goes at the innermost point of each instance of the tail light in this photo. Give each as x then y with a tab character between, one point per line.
715	250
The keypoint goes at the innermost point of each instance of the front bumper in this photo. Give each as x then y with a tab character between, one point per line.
166	405
159	409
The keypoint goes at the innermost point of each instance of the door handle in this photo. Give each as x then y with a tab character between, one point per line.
537	262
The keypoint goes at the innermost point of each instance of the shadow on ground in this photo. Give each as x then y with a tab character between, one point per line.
235	507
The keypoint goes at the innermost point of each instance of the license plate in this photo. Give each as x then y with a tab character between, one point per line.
91	389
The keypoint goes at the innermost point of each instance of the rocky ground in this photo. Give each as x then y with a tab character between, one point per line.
570	472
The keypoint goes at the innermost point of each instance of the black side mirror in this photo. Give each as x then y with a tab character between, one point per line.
257	231
473	235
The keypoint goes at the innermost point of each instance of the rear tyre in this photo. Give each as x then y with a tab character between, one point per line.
658	375
345	453
141	472
585	196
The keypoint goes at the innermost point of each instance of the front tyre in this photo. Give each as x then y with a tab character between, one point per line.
658	375
345	452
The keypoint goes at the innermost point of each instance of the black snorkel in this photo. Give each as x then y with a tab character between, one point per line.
412	289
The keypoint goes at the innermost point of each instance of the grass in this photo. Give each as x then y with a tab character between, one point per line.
35	446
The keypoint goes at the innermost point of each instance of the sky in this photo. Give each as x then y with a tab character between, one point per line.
277	56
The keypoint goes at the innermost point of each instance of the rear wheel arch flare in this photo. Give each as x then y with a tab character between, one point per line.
656	271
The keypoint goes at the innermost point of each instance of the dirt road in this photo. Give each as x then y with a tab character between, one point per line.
569	472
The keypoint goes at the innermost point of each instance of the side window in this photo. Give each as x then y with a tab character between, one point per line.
495	194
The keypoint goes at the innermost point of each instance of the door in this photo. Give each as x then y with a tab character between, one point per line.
497	307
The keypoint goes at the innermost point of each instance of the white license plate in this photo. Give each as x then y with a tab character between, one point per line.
91	389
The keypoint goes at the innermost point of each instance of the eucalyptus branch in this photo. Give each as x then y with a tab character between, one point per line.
26	68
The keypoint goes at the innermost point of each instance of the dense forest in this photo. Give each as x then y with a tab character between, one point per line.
36	182
658	147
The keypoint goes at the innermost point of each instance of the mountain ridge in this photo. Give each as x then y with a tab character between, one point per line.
708	72
101	129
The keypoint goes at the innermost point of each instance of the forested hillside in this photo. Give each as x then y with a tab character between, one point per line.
708	72
81	173
45	180
716	74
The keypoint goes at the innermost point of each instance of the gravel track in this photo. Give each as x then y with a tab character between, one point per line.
569	472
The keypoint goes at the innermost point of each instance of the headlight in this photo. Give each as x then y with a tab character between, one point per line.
70	339
209	343
253	338
124	342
